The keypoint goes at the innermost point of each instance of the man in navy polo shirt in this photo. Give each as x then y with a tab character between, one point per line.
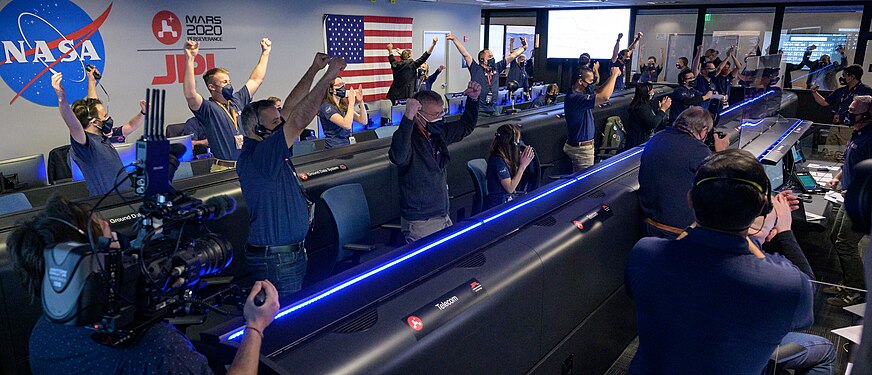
278	212
845	239
486	72
685	94
219	115
843	96
578	106
669	162
621	56
711	302
90	126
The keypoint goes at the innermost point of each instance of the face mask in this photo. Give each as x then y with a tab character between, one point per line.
107	125
712	74
340	92
650	65
522	63
420	72
843	81
434	127
227	91
863	117
492	62
551	97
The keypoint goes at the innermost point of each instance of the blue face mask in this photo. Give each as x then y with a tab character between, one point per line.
107	125
227	91
492	62
340	92
434	127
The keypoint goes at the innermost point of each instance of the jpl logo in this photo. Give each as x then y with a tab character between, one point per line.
42	37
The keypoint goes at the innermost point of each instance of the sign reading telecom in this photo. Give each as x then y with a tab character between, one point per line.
43	37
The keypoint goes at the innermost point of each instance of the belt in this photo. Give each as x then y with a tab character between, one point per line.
662	226
226	163
263	249
579	144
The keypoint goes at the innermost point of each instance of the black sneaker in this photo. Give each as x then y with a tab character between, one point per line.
845	298
832	290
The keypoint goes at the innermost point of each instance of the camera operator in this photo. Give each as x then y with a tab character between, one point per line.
419	149
64	349
667	168
845	239
405	71
278	212
687	291
219	114
90	126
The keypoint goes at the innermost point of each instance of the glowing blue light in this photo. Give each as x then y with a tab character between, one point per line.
752	124
779	140
749	101
239	332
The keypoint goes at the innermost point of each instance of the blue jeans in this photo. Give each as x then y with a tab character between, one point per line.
818	359
284	268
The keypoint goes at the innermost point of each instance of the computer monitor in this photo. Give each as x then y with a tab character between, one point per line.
775	174
537	91
456	101
185	140
397	112
30	170
798	157
502	97
518	95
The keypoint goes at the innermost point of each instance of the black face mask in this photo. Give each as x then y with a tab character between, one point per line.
263	131
434	127
712	75
522	63
492	62
843	81
107	125
340	92
551	97
421	72
650	65
227	91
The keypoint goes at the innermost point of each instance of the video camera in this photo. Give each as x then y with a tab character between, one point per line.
120	292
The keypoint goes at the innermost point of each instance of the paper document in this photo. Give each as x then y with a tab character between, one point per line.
851	333
834	197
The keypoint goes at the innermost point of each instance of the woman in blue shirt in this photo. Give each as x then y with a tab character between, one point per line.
337	114
505	165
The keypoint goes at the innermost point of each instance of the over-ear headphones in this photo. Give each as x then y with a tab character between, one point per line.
765	191
259	129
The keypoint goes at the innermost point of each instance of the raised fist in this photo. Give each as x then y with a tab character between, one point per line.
639	35
390	46
435	39
450	36
412	108
473	90
192	48
335	65
615	71
620	36
265	46
56	83
320	61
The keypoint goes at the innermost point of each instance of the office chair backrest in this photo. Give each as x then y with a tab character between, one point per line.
385	131
13	202
347	204
59	164
478	171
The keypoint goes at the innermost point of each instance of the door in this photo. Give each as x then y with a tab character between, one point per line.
438	57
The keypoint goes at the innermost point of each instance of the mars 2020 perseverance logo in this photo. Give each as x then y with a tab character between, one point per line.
42	37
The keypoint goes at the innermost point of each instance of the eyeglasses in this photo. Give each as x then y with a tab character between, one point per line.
434	115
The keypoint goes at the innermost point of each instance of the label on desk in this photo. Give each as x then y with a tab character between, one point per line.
439	311
323	171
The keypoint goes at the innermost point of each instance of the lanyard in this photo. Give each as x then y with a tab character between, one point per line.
231	113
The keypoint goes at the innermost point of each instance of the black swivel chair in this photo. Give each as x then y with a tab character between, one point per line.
478	171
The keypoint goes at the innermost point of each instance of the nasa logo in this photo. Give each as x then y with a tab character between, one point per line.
40	37
415	322
166	27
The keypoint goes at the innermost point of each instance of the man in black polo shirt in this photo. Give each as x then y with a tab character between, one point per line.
843	96
278	213
845	239
686	95
219	114
578	107
419	148
405	71
669	163
621	56
486	72
90	126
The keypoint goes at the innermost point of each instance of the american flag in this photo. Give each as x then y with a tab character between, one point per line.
362	41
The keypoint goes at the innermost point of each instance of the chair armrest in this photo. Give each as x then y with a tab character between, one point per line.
358	247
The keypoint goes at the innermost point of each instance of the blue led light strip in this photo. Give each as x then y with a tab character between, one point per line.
240	331
749	101
779	140
752	123
810	73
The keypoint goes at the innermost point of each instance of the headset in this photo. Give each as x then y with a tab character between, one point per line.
67	223
766	191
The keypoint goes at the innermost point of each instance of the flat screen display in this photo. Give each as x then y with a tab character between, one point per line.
571	32
794	45
775	174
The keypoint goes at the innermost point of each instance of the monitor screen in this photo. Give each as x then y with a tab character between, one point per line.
775	174
798	157
29	170
571	32
794	46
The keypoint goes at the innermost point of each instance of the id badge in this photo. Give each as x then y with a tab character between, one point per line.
351	139
239	139
489	98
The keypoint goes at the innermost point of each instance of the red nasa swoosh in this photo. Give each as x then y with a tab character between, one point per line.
83	33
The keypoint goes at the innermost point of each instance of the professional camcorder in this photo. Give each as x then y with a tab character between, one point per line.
120	291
